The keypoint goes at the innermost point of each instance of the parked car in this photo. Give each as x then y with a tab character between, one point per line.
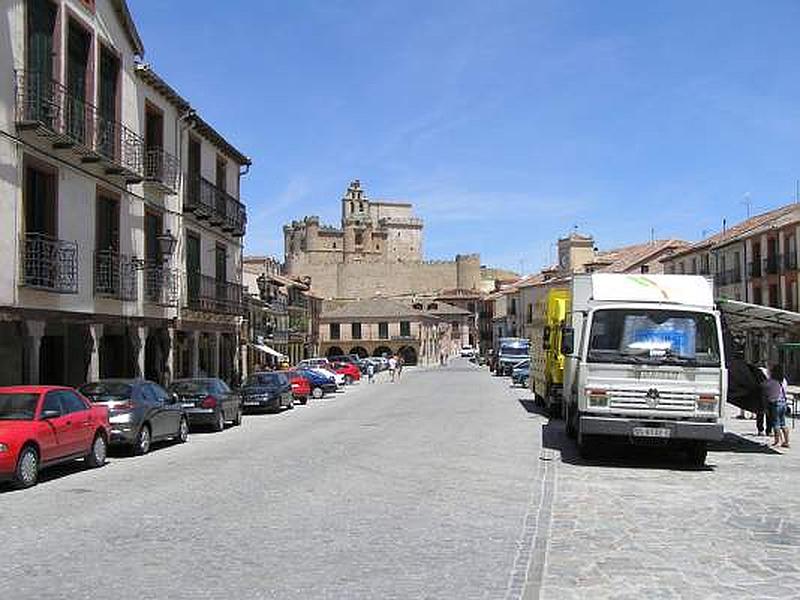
314	363
520	374
208	401
269	390
350	371
42	426
467	352
140	412
338	378
321	383
301	386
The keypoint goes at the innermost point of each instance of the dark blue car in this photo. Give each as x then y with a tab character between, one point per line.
320	385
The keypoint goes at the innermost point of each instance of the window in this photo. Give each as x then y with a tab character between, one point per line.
334	327
356	331
694	266
529	313
681	268
153	224
405	328
40	201
757	295
512	309
645	269
70	403
222	174
359	238
383	331
107	103
52	402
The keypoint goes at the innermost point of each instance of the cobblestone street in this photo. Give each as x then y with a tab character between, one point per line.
446	485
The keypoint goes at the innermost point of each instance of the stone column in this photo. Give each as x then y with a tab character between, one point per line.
215	354
140	350
194	336
35	335
96	332
169	359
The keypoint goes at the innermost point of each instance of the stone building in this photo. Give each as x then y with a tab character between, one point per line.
378	248
120	220
417	331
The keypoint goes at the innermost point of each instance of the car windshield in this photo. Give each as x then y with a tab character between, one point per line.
17	407
106	391
263	379
190	387
654	337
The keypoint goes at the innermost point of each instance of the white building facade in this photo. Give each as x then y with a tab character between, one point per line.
101	210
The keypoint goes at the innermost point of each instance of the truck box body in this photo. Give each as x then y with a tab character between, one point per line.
646	360
547	361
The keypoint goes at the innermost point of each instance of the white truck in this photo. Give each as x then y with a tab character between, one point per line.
644	361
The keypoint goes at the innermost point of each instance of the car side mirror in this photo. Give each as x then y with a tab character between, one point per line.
50	414
567	340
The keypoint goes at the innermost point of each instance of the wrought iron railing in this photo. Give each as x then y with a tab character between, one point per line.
114	275
790	261
49	264
771	264
161	284
754	268
207	201
70	121
161	167
213	295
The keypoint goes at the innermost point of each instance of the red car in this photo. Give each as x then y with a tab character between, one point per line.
350	371
46	425
301	387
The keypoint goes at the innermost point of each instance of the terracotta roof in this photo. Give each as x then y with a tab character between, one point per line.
374	308
621	260
742	228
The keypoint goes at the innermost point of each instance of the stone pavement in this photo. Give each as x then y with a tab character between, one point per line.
637	524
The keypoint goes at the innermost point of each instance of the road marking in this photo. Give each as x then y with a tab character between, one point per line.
525	581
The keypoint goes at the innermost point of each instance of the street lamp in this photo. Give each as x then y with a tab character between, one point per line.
166	246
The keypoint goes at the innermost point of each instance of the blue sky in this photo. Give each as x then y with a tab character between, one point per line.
506	123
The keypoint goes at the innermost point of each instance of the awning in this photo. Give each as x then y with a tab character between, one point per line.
742	316
268	350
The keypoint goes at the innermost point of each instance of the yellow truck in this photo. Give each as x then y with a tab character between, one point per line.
547	361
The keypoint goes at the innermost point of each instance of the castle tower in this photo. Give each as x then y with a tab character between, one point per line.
468	271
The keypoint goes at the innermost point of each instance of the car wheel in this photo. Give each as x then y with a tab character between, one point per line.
219	422
290	406
143	439
237	420
183	430
317	393
97	453
27	472
304	400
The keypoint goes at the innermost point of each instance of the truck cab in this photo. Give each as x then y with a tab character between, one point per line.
644	362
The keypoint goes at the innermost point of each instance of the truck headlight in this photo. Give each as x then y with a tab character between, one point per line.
597	398
707	404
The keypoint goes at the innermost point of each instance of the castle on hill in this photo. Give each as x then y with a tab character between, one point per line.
377	250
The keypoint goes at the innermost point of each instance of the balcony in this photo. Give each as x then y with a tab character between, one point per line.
49	264
771	265
114	275
161	169
754	268
207	201
160	285
790	262
209	294
47	113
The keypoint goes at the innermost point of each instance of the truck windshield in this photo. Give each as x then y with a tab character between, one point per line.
654	337
514	350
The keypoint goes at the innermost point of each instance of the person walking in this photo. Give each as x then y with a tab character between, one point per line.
392	366
371	372
775	399
400	363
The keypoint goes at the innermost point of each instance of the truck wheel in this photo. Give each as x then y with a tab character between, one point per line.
585	445
571	419
697	454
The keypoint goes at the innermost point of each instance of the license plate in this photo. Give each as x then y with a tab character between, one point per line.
252	403
188	405
652	432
